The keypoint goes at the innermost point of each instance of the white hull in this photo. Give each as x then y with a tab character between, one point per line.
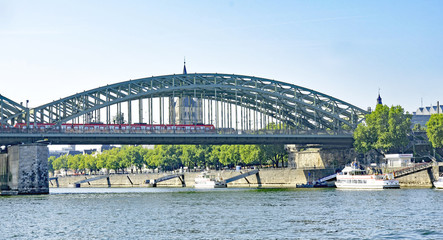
209	185
367	186
206	181
354	177
439	184
365	182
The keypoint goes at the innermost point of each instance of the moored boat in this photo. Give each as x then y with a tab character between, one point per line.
207	181
439	183
352	177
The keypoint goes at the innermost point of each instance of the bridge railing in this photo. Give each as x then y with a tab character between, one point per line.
132	131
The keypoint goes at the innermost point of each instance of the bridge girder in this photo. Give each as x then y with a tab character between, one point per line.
11	111
291	104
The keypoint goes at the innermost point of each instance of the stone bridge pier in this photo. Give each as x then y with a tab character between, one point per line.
24	170
324	157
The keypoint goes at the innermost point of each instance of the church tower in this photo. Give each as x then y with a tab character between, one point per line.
379	98
187	109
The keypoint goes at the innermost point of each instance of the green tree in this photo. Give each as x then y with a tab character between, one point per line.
233	152
137	158
170	157
81	162
148	158
73	162
113	163
434	130
51	160
91	163
189	156
224	156
61	163
123	157
101	160
250	154
156	157
384	130
214	156
274	154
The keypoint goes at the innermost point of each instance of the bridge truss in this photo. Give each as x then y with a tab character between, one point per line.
242	103
11	112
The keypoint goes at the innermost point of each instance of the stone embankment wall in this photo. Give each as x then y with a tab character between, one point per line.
269	178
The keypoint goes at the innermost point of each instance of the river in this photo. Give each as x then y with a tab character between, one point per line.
232	213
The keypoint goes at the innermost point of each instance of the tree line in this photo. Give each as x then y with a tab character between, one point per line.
172	157
387	130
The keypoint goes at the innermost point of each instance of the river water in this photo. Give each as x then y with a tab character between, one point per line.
186	213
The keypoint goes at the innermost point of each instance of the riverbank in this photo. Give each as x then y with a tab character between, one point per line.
268	178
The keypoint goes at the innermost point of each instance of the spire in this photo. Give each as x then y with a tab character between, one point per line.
184	67
379	98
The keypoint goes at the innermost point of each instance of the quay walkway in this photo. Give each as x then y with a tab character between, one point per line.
88	180
180	176
410	170
244	175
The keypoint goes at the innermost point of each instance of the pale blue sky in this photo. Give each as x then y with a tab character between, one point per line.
346	49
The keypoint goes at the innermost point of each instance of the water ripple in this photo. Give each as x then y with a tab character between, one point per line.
148	213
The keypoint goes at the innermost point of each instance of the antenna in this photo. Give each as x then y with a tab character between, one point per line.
421	102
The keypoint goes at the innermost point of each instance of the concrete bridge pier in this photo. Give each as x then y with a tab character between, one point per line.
24	170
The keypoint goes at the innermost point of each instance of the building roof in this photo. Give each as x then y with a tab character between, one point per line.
428	110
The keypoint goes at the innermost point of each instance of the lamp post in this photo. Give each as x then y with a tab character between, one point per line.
27	116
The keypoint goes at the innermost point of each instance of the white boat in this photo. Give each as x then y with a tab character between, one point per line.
439	183
205	181
352	177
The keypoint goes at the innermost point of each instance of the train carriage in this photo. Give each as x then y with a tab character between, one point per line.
115	128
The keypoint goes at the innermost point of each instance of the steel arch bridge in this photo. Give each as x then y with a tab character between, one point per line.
242	104
11	111
285	103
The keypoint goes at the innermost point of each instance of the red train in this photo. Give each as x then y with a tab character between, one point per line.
136	127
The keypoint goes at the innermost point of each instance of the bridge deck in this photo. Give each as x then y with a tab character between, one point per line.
125	138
